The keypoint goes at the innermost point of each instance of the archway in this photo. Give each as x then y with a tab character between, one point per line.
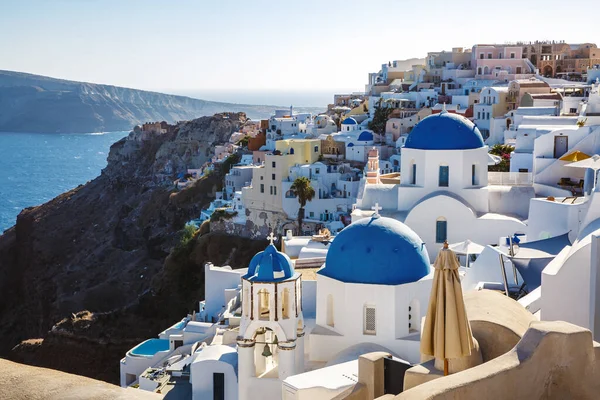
548	71
508	122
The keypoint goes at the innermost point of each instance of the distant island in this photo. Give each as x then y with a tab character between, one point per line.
34	103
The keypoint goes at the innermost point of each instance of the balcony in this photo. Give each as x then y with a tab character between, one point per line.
510	178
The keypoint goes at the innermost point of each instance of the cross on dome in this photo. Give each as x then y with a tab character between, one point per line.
376	208
271	237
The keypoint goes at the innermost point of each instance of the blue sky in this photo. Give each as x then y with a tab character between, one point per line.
189	45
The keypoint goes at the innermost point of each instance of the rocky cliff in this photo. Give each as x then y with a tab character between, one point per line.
102	267
33	103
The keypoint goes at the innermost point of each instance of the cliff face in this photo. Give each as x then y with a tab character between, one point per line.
107	247
33	103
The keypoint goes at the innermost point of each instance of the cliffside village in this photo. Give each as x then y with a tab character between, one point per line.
482	161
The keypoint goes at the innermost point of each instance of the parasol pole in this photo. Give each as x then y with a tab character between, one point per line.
445	247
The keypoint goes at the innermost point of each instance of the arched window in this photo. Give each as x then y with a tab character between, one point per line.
444	176
291	150
441	230
264	310
330	320
370	321
285	302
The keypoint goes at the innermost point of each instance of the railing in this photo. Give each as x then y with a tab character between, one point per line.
510	178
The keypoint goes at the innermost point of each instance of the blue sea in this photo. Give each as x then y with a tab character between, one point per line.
36	167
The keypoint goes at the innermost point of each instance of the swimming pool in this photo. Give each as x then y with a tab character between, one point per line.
150	347
179	325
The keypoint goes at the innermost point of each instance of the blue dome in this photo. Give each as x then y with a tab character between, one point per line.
349	121
270	266
350	144
365	136
444	131
377	250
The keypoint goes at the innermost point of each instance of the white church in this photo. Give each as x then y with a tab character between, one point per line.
277	331
444	192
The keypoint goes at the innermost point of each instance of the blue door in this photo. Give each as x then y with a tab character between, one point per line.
443	176
441	228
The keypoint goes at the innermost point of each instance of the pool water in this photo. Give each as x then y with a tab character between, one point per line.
179	325
150	347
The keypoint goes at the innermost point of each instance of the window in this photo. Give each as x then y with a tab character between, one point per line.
246	302
512	55
317	171
273	164
414	175
263	304
474	175
478	114
488	116
273	177
285	304
443	176
481	56
311	214
370	320
489	55
271	189
523	170
316	149
262	187
275	190
330	320
262	178
441	230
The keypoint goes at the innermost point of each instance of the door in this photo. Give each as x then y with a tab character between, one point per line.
393	376
218	386
561	145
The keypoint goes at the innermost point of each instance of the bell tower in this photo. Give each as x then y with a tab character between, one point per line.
271	334
373	167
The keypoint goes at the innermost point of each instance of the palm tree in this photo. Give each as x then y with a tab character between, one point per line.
304	191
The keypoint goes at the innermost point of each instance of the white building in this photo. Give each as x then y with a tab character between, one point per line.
374	288
335	186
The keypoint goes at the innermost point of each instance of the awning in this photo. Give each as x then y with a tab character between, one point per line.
532	257
592	162
467	247
575	156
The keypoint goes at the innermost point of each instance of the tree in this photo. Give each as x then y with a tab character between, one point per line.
304	192
380	118
502	150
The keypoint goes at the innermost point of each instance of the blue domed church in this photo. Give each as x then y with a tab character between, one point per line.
373	288
444	192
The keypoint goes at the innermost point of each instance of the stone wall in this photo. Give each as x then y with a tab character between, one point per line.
553	360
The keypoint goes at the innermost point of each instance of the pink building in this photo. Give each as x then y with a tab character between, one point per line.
500	62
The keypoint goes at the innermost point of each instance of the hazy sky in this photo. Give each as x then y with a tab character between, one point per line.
182	45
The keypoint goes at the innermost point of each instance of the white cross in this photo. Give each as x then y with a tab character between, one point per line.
377	208
271	237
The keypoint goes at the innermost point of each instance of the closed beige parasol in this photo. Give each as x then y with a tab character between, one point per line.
447	332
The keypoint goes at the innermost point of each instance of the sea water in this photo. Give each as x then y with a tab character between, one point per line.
36	167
